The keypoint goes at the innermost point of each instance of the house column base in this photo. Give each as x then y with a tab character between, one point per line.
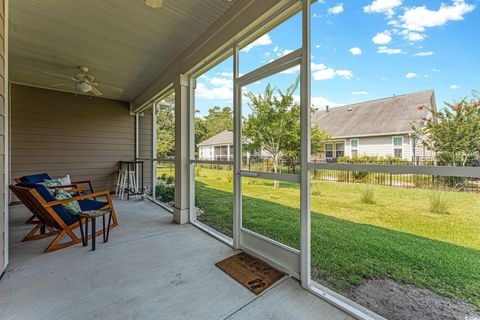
180	216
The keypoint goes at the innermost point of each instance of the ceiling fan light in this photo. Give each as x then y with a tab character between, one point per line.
154	3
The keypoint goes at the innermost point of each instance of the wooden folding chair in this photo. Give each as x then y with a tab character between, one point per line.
74	186
51	217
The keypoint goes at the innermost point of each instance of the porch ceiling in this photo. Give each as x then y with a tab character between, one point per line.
125	44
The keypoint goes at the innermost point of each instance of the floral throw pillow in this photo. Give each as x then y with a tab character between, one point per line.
51	183
72	207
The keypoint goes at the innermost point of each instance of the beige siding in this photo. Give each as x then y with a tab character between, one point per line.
381	146
145	147
63	133
3	139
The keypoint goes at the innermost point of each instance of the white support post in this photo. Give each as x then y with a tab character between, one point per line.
237	154
191	126
154	148
305	214
182	150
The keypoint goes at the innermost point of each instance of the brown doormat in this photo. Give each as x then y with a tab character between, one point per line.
251	272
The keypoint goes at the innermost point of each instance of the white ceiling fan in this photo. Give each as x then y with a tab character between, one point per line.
84	82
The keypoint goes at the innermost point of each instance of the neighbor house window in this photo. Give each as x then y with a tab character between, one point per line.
397	147
329	151
339	150
354	147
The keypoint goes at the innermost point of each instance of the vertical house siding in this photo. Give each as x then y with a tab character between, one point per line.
63	133
3	136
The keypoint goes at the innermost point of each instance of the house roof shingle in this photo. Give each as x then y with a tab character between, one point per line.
393	115
224	137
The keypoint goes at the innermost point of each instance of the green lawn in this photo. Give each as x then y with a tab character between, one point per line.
397	237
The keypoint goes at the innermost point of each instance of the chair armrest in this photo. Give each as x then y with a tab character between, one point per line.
64	186
82	197
89	182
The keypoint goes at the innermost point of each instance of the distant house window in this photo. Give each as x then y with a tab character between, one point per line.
328	151
397	147
339	150
354	147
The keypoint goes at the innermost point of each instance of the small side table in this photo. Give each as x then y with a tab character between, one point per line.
93	215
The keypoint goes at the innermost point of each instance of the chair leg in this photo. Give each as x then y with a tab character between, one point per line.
32	220
94	232
81	232
33	236
55	243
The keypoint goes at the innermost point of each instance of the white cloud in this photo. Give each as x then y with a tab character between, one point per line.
226	74
336	10
420	18
218	93
322	102
413	36
286	51
355	51
317	46
383	6
221	82
411	75
360	92
346	74
454	86
386	50
262	41
423	54
322	72
382	38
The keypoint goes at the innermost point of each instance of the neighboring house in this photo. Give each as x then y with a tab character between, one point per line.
220	147
380	128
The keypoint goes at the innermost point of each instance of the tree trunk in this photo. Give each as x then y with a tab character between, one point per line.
276	183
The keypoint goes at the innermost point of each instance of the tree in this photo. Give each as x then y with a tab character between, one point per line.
218	120
274	124
453	132
166	128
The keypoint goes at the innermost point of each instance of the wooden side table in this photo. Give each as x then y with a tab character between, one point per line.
93	215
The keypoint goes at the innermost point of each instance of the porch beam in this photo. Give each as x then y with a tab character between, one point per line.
182	150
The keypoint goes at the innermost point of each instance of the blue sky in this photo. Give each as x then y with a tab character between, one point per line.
364	50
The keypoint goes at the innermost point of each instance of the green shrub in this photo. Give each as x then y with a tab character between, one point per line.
164	193
359	176
170	179
367	195
373	160
439	202
163	176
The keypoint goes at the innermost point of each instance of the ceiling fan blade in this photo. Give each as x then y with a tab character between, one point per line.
96	92
61	85
154	3
59	75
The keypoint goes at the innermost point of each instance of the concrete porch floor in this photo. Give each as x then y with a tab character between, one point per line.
149	269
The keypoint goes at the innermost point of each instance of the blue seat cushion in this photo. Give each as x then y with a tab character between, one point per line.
87	204
36	178
47	196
